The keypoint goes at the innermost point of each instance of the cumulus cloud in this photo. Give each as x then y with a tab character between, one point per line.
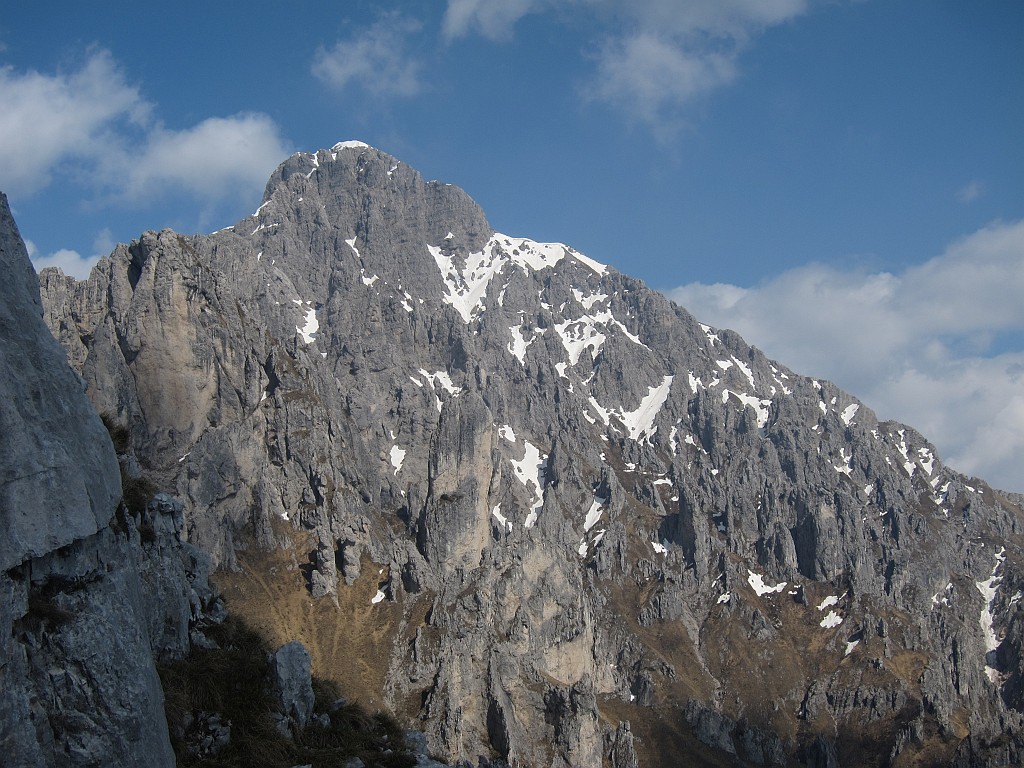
92	127
49	119
221	157
70	261
655	56
67	261
375	59
926	346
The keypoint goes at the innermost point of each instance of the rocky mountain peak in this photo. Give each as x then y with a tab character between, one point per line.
553	499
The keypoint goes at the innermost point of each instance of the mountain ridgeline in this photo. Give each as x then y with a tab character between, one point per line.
536	509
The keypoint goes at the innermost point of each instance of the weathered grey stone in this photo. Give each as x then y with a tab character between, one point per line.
292	684
572	490
59	479
84	604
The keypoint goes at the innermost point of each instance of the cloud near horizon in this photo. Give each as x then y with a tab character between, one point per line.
90	127
922	347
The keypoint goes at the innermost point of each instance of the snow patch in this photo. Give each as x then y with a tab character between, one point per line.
351	144
308	331
831	621
397	457
757	583
594	513
848	413
828	602
988	592
530	471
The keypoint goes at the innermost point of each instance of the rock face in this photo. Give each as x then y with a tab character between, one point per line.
544	499
85	605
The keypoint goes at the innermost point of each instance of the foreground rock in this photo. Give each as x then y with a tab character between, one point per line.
85	605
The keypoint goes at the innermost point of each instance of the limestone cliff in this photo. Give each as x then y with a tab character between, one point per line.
85	605
538	507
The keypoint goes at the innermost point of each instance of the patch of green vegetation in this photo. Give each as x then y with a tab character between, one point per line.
232	684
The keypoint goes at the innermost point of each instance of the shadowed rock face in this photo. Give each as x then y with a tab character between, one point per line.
574	505
84	605
60	480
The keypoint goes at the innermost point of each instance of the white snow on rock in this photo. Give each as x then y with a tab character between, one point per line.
496	513
467	284
352	244
530	471
850	646
397	457
436	380
661	549
846	467
308	331
594	513
988	592
942	596
828	602
848	413
725	598
831	621
640	421
351	144
520	343
442	379
761	407
505	431
927	461
588	301
757	583
577	335
378	597
908	463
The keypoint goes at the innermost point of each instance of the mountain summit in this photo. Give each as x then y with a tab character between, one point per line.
519	498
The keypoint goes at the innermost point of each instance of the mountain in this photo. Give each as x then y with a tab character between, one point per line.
522	500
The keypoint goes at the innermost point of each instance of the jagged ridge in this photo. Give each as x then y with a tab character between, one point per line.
571	503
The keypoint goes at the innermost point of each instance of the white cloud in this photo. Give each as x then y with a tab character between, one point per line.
491	18
92	128
970	192
919	346
656	56
375	59
220	158
67	261
648	76
51	119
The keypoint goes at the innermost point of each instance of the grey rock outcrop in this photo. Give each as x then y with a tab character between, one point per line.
551	499
85	605
55	486
292	685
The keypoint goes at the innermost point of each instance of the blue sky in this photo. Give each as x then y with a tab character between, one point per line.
842	182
